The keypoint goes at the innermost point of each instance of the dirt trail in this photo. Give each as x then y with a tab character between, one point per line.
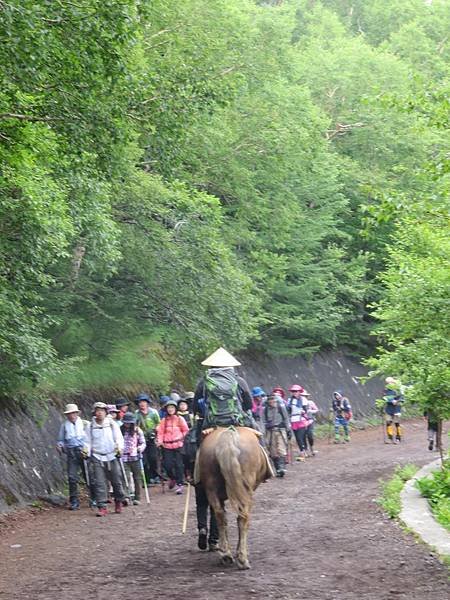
317	534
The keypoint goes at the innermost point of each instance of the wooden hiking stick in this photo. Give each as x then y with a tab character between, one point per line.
186	508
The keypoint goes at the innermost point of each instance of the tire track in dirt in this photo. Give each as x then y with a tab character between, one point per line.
317	534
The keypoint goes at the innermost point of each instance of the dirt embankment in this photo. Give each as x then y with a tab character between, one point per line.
317	534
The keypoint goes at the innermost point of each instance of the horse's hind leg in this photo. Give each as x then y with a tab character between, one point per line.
243	522
226	556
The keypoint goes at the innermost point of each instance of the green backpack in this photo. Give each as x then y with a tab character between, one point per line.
223	406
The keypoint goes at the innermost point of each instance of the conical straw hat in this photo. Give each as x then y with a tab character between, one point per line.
221	358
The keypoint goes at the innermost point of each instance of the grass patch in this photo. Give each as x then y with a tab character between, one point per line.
436	489
136	363
390	497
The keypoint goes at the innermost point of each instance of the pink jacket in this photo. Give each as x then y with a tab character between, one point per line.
171	431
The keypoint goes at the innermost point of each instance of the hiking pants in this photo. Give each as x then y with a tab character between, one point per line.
201	501
74	465
150	458
133	471
173	464
104	472
276	442
300	437
338	422
310	435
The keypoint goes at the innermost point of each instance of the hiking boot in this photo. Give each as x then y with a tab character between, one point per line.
430	445
118	506
213	546
92	504
136	502
179	490
125	502
347	438
300	458
398	438
172	484
202	539
74	506
102	512
337	439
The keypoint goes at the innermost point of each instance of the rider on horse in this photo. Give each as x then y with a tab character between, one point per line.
226	395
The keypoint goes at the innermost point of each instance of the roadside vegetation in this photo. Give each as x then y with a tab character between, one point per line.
391	489
272	175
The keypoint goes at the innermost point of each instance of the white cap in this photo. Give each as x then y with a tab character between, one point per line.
221	358
71	408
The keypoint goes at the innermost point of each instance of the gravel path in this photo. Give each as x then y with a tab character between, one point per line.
317	534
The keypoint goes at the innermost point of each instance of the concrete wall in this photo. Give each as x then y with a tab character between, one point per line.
30	465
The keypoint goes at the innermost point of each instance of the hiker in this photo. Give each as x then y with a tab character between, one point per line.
259	398
278	432
104	447
189	445
311	411
123	406
393	409
72	442
342	415
207	537
297	411
162	402
148	419
279	391
170	435
226	395
432	429
113	411
134	446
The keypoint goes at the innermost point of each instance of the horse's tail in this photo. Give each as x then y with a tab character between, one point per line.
227	454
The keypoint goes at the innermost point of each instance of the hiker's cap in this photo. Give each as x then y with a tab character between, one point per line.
129	418
390	381
221	358
100	405
71	408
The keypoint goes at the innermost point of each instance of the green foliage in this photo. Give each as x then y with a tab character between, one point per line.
436	489
390	498
230	173
138	363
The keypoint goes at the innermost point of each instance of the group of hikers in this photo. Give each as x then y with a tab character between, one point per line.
122	450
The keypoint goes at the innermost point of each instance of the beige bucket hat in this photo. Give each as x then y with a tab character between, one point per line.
71	408
221	358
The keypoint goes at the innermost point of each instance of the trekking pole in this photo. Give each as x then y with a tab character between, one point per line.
141	464
186	509
86	474
124	475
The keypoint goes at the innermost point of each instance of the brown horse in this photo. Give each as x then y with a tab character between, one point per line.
231	465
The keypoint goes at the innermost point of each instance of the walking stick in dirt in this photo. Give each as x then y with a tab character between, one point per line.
124	475
330	428
86	473
186	508
144	480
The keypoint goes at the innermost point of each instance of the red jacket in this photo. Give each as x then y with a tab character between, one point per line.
171	431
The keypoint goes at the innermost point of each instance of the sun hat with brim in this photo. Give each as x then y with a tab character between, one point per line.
170	403
71	408
112	408
188	396
129	418
122	402
221	358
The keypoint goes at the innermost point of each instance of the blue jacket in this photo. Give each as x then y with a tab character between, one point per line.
394	402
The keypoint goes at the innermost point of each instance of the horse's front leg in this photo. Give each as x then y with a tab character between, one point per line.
243	522
226	556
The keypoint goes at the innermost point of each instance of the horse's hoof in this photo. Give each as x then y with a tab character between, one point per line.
226	559
243	564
